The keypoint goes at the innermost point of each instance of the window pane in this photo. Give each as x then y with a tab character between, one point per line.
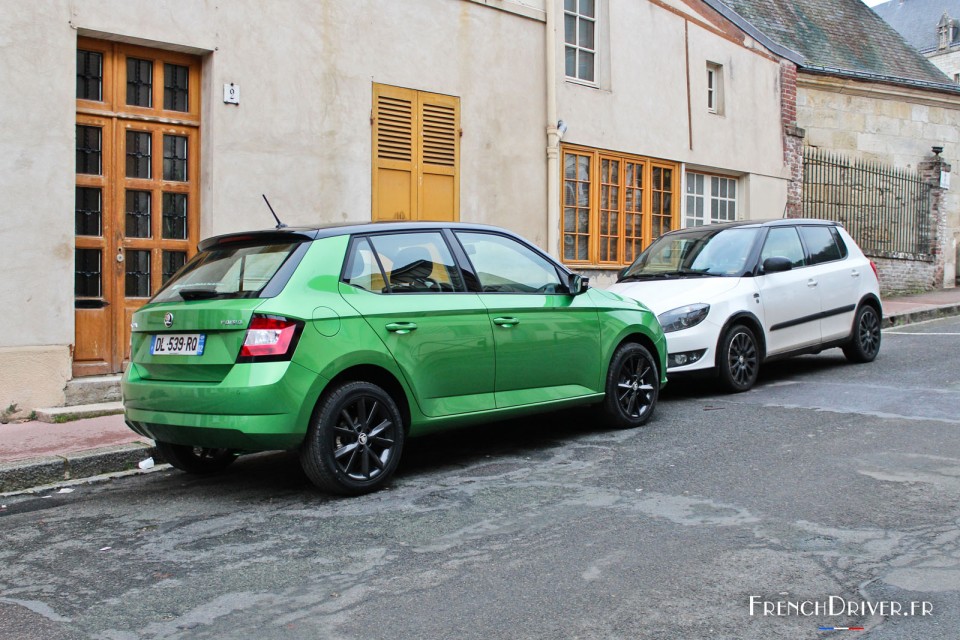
89	150
585	66
586	34
417	263
583	167
90	75
87	273
820	244
504	265
138	154
570	5
175	216
138	214
137	281
569	166
175	158
570	29
172	262
88	212
571	62
139	82
588	8
783	242
176	80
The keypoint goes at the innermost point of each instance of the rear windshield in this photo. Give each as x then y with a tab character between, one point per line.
226	272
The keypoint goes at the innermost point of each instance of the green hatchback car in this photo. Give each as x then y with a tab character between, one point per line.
342	341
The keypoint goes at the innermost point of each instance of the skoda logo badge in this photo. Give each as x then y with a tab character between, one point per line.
168	320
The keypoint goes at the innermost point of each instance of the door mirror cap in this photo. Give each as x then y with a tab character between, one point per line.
777	264
578	284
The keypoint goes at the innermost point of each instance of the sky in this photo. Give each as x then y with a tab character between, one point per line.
873	3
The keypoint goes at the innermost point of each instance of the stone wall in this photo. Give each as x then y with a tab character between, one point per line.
893	126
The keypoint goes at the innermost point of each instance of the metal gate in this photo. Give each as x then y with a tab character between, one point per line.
886	210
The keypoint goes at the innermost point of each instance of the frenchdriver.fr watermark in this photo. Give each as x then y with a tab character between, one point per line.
838	607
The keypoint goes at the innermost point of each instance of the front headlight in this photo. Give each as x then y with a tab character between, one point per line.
683	317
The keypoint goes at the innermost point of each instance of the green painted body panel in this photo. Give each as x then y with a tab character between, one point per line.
464	363
444	346
549	353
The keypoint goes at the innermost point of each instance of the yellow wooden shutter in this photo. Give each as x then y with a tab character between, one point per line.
439	157
394	166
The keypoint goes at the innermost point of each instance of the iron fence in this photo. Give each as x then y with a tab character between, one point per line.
886	210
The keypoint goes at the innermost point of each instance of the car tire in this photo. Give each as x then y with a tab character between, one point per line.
738	359
196	460
632	387
355	439
864	342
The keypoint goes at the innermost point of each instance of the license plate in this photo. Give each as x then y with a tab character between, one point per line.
177	344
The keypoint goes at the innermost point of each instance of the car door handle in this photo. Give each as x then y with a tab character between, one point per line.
506	322
811	283
855	273
401	327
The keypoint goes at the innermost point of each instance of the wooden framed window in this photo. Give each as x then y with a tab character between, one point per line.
580	39
416	155
614	205
137	203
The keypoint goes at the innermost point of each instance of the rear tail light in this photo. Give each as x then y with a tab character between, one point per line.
874	267
269	339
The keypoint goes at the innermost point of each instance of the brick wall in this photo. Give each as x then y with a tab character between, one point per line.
792	138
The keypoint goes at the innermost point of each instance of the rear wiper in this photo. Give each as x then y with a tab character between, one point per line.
198	294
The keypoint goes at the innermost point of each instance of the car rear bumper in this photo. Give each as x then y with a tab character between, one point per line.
257	406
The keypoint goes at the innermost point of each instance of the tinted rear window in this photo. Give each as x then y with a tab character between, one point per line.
821	244
227	272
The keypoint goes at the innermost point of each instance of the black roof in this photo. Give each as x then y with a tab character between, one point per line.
304	234
841	37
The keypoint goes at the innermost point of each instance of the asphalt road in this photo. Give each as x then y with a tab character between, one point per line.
827	486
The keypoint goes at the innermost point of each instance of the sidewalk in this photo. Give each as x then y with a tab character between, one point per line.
33	454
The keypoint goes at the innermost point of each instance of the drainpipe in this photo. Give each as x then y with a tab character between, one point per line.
553	135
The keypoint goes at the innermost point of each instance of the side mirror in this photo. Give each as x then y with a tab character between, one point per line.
578	284
777	264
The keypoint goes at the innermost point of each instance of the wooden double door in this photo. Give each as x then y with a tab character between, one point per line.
137	199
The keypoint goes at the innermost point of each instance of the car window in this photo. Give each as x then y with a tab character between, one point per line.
726	253
227	272
506	266
821	244
411	263
783	242
698	251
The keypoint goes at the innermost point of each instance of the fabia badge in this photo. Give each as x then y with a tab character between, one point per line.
168	320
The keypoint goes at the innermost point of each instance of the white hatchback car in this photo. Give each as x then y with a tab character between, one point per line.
731	296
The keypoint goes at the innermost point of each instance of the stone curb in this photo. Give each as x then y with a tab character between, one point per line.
19	475
901	319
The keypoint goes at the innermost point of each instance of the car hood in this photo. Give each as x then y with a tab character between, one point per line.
664	295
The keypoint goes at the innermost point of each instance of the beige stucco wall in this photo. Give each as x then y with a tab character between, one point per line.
889	125
301	134
302	131
641	103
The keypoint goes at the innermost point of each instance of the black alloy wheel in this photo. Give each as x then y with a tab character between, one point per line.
864	344
738	359
633	385
355	440
196	460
